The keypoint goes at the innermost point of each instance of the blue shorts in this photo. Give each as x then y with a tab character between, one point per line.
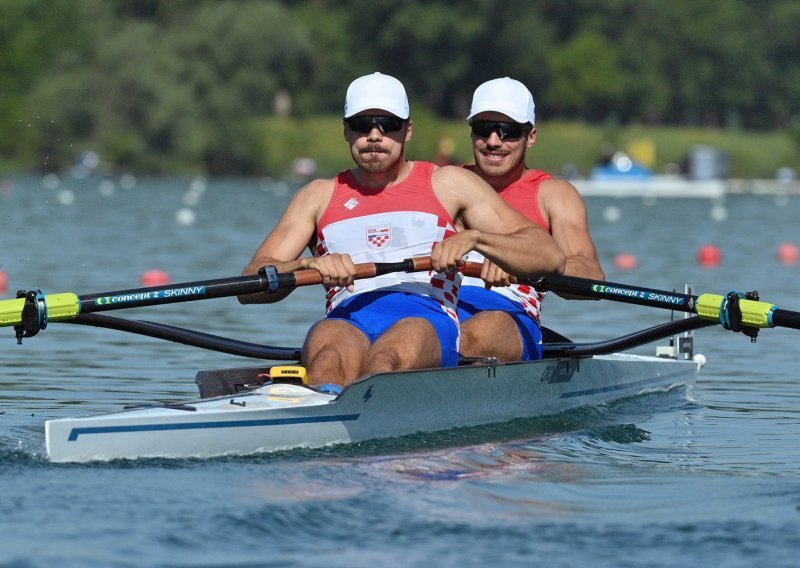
474	299
375	312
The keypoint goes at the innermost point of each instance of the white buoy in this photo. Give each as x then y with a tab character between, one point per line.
106	187
51	181
612	214
185	216
66	197
718	213
198	185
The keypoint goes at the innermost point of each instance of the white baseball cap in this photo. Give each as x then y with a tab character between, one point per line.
376	91
504	95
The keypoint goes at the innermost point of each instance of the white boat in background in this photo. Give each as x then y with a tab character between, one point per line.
285	416
654	186
676	186
707	176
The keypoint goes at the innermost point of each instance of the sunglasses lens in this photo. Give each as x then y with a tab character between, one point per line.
482	129
505	130
365	124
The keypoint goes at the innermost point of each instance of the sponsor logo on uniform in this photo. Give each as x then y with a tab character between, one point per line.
351	203
379	236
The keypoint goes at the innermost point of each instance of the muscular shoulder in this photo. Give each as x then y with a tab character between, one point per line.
317	188
313	197
458	188
558	189
559	197
454	180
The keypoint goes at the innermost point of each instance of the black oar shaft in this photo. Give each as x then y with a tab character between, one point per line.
225	287
786	318
617	292
588	288
169	294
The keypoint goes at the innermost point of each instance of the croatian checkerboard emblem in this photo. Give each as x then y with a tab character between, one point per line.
379	236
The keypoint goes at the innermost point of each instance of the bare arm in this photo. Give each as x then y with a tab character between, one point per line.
498	231
287	241
566	212
564	208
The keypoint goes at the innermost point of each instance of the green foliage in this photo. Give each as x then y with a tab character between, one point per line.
281	140
584	90
245	86
559	144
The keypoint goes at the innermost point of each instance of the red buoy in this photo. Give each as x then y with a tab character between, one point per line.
626	261
154	278
3	282
788	253
709	255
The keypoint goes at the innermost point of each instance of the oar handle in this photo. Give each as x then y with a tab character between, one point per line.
309	276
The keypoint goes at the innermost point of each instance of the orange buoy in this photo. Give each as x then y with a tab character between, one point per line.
709	255
788	253
154	278
626	261
3	282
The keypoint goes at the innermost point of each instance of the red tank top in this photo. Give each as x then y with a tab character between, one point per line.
390	224
523	195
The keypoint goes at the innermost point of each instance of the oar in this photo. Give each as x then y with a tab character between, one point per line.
31	311
554	349
735	311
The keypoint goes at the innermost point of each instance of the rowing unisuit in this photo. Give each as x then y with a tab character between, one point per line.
523	195
391	224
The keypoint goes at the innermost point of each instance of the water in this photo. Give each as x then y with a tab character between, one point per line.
694	478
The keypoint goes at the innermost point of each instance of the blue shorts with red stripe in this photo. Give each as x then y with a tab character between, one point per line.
474	299
375	312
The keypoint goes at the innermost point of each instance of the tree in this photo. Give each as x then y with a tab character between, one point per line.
587	78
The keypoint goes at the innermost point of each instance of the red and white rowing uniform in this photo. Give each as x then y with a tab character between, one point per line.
522	195
390	224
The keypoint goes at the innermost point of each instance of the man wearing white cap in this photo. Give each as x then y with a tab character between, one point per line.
503	322
388	209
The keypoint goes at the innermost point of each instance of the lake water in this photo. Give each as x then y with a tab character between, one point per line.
698	478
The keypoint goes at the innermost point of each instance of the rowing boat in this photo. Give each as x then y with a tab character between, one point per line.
238	412
386	405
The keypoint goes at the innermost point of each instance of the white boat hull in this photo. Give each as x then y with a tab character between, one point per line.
279	417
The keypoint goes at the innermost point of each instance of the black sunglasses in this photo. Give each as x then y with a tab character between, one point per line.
366	123
505	130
